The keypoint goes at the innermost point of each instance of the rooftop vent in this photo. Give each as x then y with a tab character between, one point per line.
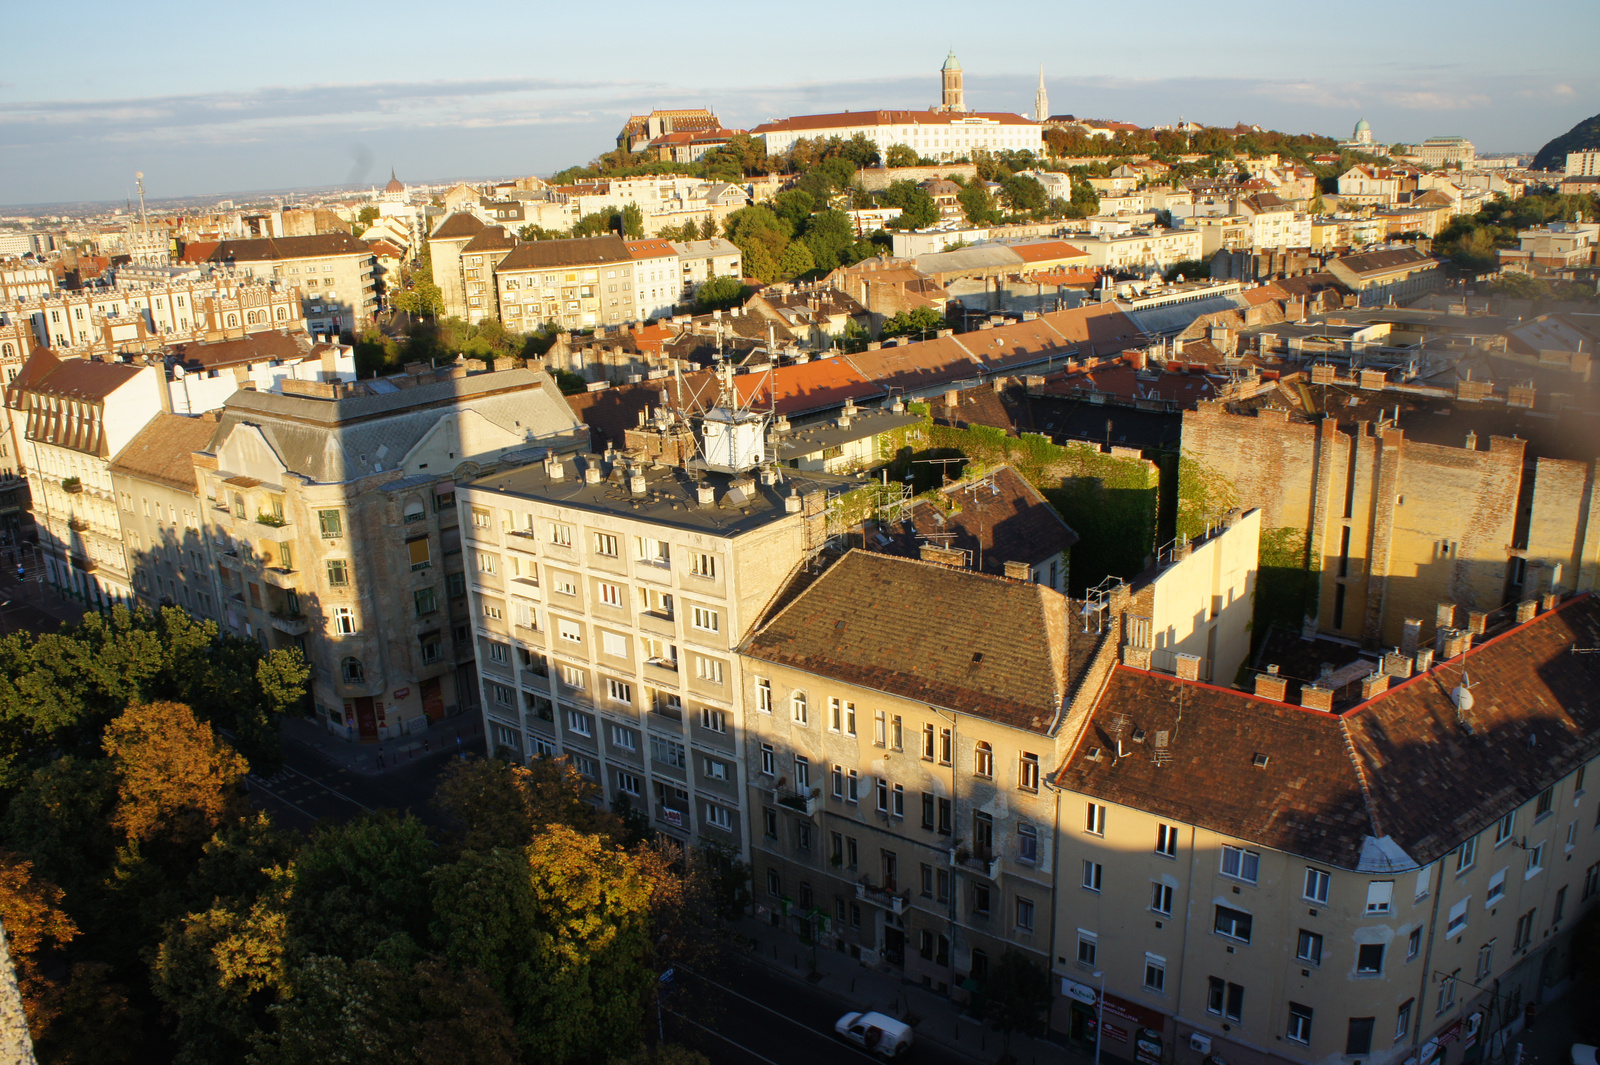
1259	760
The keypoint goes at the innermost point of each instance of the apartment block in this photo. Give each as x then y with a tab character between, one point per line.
445	244
331	512
480	256
334	273
577	284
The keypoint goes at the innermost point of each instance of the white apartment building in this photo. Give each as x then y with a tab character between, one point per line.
1583	164
1369	184
21	278
701	260
1154	247
657	277
933	134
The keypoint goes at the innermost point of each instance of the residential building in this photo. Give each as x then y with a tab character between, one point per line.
334	273
1551	248
1281	877
1275	223
158	503
657	277
1388	275
480	257
1443	151
201	377
1369	184
701	260
577	284
944	135
609	595
1119	248
1583	164
21	278
857	439
444	251
331	512
69	417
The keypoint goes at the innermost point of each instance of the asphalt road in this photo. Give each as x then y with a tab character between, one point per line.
743	1013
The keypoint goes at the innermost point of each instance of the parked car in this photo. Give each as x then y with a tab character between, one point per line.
878	1033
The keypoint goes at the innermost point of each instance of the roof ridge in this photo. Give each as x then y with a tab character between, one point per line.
1361	778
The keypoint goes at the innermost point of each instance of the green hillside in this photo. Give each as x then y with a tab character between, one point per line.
1585	136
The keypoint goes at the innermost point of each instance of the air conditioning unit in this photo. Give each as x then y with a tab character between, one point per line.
1200	1044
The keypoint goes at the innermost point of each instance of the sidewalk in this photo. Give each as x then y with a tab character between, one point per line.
935	1018
463	733
1554	1032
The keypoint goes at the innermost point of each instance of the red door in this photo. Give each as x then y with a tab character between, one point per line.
366	719
432	699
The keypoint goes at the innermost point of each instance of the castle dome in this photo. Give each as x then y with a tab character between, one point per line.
1362	127
952	63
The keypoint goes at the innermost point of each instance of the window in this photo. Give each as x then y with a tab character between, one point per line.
421	558
769	760
1235	924
1544	803
769	824
945	747
896	733
338	572
610	594
1088	947
569	631
1240	864
352	671
1316	889
1524	935
1309	947
1167	840
1027	843
849	719
702	564
980	899
983	760
1161	898
1591	881
1028	772
802	772
455	585
880	729
1458	918
1380	896
487	563
706	619
492	611
1447	994
614	644
898	795
1092	874
565	585
927	881
1024	914
982	836
713	720
835	715
560	535
1402	1020
1560	906
927	742
838	781
574	678
1535	860
668	752
426	601
1369	959
1224	999
1414	943
1506	826
797	704
624	739
1497	888
330	523
1299	1024
580	724
618	691
1466	855
1095	820
655	552
716	770
1358	1039
882	792
708	669
764	695
497	653
605	544
1485	960
1424	883
344	620
627	783
1155	973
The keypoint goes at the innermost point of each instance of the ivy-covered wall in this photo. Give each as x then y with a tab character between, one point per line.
1286	585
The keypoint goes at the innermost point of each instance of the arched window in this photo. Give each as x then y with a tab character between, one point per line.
802	712
983	760
283	313
233	320
7	351
415	511
252	317
353	672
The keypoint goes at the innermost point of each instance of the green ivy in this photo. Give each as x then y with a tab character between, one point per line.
1205	496
1286	585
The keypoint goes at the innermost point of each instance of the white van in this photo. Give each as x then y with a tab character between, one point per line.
875	1032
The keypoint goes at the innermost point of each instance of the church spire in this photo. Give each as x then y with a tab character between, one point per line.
1041	101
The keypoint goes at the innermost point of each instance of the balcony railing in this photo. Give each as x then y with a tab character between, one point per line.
982	863
888	900
292	624
807	802
84	563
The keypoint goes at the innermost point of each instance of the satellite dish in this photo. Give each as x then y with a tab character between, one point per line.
1461	694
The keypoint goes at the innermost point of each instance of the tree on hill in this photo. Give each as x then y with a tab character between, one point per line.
1585	136
900	155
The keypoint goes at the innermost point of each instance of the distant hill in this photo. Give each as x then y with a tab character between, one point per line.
1585	136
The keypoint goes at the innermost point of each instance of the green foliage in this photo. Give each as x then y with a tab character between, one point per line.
1522	286
919	321
718	293
1286	585
569	383
828	236
917	209
978	205
796	261
794	207
900	155
1205	496
1585	136
1024	195
358	885
1189	269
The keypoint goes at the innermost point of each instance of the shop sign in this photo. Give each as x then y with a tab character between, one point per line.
1148	1046
1113	1032
402	693
1449	1035
1081	992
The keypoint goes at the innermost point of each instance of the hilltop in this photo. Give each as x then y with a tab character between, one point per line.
1584	136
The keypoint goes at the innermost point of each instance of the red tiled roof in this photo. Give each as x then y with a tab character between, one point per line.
650	249
808	386
1045	250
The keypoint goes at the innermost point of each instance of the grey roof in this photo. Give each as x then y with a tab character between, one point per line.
1174	318
977	257
335	440
809	439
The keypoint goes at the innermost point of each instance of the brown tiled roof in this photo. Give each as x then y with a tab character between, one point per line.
1047	250
490	238
161	451
458	225
953	638
651	249
999	518
1378	262
578	251
254	347
88	379
269	249
1405	766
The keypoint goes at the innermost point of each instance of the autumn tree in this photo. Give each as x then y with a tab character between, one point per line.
36	926
499	804
175	779
217	973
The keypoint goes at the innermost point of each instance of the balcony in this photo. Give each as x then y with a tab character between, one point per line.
982	864
229	560
805	802
71	485
278	578
292	624
285	528
888	900
84	563
660	624
78	524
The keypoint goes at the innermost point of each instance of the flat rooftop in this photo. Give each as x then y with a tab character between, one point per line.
670	498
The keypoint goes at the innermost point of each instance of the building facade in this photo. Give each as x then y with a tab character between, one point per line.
334	273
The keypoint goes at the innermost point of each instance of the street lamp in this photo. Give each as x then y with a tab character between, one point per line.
1099	1015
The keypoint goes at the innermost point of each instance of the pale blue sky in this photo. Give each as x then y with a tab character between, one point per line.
230	97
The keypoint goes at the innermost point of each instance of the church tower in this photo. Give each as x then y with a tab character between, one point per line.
953	99
1041	102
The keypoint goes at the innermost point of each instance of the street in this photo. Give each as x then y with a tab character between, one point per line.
771	1019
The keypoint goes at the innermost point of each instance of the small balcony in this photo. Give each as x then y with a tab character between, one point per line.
84	563
278	578
71	485
291	624
229	560
888	900
982	864
285	529
659	624
78	524
806	802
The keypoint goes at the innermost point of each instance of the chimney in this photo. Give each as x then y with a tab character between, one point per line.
1397	664
704	494
791	502
1270	685
1410	636
1019	571
1135	657
1452	642
554	468
1550	600
1316	697
636	482
591	471
1526	610
1188	667
1444	616
1477	620
951	398
1424	659
1374	684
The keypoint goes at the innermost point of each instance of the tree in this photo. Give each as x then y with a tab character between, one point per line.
718	293
917	209
631	221
1189	270
175	779
977	205
901	155
498	804
356	886
796	260
828	234
794	207
1015	996
36	926
1024	194
918	321
217	973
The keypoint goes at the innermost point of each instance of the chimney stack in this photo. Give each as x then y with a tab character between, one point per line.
636	483
1315	697
1019	571
1526	609
1374	684
1188	667
1397	664
1270	685
1550	600
1410	636
1444	616
1424	659
704	494
1477	621
1452	642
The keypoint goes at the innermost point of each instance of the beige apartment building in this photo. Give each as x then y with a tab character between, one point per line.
608	596
444	251
331	513
68	418
334	273
1356	873
158	503
577	284
480	257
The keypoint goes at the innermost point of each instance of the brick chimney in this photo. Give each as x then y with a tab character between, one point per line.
1550	600
1526	609
1269	685
1452	642
1188	667
1424	659
1315	697
1374	684
1135	657
1444	616
1397	664
951	398
1019	571
1410	636
1477	621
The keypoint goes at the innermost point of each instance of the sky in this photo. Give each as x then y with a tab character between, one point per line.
220	98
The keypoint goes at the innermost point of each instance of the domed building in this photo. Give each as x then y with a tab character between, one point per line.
1362	135
1361	139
